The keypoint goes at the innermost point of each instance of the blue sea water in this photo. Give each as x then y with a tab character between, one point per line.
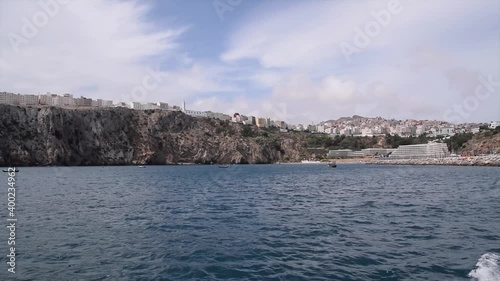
256	222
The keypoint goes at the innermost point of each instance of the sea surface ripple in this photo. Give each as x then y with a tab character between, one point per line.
257	222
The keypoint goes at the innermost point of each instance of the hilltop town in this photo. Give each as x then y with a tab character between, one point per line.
345	126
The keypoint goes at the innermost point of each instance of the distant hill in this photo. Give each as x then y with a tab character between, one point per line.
346	119
357	119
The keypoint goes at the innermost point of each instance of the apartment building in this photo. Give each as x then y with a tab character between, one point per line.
45	99
107	103
28	100
261	122
280	124
135	105
121	104
217	115
195	113
420	130
446	131
441	131
83	102
68	100
56	100
162	105
346	132
366	132
312	128
149	106
9	98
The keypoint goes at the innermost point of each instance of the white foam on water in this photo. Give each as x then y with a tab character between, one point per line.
488	268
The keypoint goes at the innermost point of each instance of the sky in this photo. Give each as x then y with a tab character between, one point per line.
301	61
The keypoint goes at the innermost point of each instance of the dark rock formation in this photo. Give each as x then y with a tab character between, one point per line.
120	136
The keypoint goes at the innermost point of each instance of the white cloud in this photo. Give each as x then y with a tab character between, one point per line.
426	57
101	49
266	78
297	36
278	62
311	32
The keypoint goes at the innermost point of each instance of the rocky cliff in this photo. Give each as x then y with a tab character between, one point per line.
483	143
120	136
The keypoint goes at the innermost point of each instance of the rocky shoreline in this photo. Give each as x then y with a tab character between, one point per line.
488	160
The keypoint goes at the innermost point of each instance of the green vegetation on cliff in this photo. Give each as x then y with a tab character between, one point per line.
485	142
457	142
358	143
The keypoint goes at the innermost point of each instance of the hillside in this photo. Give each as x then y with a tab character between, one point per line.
120	136
346	119
486	142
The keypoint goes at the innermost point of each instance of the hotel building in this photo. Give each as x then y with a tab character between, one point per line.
430	150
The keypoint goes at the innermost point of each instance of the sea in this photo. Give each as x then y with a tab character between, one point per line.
255	222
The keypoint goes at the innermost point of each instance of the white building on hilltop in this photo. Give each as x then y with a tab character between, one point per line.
162	105
149	106
107	103
135	105
493	124
45	99
28	100
56	100
68	100
218	115
193	113
9	98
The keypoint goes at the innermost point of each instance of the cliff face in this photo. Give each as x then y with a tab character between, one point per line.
119	136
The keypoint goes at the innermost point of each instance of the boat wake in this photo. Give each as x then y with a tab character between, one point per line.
488	268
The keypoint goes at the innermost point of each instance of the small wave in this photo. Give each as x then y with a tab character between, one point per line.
488	268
